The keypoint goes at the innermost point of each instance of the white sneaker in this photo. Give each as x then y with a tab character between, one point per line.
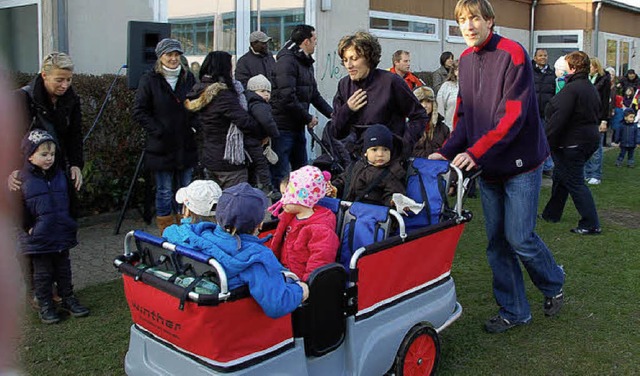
593	181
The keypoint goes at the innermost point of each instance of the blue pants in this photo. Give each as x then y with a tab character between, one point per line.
167	183
629	151
510	209
593	167
291	148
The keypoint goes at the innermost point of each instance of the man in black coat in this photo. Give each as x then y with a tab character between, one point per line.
544	80
258	60
294	90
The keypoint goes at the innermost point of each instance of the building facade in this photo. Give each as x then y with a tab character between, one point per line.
95	32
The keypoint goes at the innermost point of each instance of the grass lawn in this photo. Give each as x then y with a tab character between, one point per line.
597	332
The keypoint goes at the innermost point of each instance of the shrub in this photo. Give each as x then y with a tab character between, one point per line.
113	147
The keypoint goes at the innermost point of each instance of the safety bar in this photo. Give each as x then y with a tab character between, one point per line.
460	190
131	236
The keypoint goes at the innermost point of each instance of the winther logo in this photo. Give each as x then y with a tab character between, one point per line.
156	318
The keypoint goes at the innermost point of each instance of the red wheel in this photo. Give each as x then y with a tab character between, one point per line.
419	352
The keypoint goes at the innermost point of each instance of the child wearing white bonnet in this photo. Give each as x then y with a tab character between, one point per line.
198	201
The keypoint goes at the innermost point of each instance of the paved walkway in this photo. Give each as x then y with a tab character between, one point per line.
92	259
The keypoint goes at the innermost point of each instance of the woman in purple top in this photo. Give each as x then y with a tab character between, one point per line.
373	96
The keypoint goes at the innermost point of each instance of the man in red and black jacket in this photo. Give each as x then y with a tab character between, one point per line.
402	67
497	128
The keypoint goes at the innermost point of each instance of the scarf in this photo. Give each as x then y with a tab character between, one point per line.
234	152
171	75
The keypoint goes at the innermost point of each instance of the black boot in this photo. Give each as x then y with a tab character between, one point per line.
48	313
73	306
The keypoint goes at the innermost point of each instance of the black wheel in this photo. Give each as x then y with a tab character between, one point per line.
419	352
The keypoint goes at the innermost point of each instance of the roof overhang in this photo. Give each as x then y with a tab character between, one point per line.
619	4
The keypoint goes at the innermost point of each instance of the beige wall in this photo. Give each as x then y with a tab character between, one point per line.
619	21
98	32
509	13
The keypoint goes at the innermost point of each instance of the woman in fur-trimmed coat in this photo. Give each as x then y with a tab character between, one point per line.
216	102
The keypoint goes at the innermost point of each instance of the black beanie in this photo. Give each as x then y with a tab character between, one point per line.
34	139
377	135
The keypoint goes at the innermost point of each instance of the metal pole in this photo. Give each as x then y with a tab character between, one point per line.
126	200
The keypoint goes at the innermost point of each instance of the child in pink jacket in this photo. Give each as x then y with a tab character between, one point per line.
305	238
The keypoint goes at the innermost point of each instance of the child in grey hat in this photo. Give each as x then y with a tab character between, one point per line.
258	146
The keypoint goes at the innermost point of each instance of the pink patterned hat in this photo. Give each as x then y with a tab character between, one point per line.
306	187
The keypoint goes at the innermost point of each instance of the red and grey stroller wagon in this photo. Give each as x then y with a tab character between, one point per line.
378	309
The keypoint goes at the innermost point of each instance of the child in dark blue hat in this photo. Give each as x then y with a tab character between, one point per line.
377	176
49	231
246	260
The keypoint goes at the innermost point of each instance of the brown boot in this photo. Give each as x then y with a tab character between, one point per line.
164	221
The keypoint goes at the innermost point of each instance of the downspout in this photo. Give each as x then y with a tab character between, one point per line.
596	28
531	27
63	30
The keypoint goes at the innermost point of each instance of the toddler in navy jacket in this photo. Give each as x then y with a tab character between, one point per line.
49	231
627	137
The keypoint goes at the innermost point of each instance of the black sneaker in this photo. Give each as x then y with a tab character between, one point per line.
586	231
553	304
73	306
48	314
498	324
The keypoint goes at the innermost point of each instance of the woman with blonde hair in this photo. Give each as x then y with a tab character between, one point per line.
436	131
448	96
602	81
170	150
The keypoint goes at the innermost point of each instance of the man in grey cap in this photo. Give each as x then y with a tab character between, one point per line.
258	60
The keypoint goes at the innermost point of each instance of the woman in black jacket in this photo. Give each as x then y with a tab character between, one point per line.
170	150
572	130
602	82
217	102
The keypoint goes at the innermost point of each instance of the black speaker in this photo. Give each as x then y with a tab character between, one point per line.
141	49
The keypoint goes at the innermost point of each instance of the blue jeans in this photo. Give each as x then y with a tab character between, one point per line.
568	179
291	148
510	209
548	164
593	167
167	183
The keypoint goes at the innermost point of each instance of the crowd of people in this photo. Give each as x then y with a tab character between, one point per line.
531	120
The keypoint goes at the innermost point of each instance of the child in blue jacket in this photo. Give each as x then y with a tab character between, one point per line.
246	260
49	231
627	137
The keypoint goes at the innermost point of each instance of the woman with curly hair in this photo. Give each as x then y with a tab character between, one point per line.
368	95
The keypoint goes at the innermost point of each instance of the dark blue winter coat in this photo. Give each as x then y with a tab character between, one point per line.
45	199
627	134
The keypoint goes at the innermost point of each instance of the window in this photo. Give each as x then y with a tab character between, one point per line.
618	53
403	26
275	20
202	29
558	42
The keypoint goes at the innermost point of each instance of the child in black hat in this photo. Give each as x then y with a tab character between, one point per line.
49	231
376	177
